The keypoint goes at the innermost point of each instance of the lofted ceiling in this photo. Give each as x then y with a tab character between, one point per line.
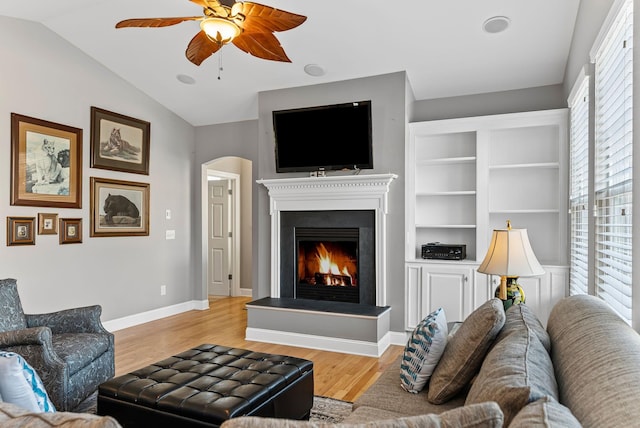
440	44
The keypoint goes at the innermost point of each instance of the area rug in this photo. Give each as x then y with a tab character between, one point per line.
330	410
324	409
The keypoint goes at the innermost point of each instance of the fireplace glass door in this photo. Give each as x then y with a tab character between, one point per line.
327	264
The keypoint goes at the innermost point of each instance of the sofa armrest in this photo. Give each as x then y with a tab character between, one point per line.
77	320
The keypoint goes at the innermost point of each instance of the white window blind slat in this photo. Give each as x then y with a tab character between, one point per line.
613	163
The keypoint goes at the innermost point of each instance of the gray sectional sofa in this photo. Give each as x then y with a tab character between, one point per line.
582	370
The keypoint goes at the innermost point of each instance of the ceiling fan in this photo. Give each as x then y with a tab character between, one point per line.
249	26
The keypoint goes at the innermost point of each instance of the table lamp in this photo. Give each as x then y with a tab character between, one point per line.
510	256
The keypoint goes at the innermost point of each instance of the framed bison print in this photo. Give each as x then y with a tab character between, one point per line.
46	163
119	142
119	208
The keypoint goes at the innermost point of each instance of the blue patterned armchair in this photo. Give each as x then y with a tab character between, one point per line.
70	349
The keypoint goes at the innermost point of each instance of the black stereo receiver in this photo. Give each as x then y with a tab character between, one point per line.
436	250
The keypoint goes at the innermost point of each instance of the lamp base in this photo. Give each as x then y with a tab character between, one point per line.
514	295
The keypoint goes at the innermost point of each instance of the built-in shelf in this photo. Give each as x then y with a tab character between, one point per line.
445	226
445	161
447	193
527	165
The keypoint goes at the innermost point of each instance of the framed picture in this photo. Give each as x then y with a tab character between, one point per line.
119	208
70	230
21	231
46	163
47	224
119	142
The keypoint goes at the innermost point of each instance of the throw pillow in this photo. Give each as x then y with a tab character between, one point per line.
423	351
21	385
544	413
517	370
465	351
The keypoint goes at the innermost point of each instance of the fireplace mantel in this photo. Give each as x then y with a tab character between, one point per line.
351	192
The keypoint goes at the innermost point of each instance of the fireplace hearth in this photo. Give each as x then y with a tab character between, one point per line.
328	255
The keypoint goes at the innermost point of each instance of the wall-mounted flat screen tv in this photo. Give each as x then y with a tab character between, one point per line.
331	137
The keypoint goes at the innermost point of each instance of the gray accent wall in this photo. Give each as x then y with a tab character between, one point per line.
45	77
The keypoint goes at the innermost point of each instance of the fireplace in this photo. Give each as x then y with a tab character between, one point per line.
328	255
327	267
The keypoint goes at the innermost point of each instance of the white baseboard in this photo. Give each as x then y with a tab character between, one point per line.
333	344
155	314
399	338
245	292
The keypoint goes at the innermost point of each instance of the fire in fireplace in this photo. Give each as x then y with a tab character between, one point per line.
327	267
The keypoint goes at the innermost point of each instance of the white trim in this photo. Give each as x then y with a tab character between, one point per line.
399	338
577	85
246	292
604	29
348	192
323	343
154	314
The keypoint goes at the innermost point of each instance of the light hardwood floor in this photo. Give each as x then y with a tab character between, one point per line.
336	375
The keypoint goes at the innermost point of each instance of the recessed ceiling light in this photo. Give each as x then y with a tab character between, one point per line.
187	80
496	24
314	70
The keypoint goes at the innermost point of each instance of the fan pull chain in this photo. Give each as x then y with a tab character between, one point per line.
220	69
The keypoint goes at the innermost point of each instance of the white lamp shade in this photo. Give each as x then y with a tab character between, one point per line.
510	254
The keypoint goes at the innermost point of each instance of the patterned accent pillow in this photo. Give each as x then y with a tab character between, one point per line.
21	385
423	351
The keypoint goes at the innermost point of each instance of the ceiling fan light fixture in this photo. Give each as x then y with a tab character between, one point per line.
220	30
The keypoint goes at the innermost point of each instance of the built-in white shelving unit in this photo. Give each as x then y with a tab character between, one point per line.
468	176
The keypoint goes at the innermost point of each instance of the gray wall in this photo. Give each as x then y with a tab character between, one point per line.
387	94
217	141
45	77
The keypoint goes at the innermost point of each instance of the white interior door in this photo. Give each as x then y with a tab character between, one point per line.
219	282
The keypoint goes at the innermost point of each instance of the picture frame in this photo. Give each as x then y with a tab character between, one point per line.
47	224
46	163
119	142
21	231
70	231
119	208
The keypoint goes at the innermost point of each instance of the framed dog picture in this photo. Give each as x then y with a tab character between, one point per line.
119	208
46	163
119	142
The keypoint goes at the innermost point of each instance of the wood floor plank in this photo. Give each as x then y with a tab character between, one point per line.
337	375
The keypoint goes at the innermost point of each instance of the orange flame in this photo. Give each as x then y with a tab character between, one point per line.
326	264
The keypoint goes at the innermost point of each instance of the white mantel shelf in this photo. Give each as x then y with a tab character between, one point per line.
345	192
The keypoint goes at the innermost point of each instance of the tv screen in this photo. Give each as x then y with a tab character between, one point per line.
331	137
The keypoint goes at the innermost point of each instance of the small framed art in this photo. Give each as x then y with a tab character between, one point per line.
70	231
46	163
21	231
47	224
119	142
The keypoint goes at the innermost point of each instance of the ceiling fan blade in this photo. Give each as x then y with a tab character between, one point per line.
261	45
261	18
201	48
155	22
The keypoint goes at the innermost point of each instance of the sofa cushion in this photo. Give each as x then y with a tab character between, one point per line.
485	415
21	385
517	370
596	356
465	351
545	413
387	394
12	416
423	351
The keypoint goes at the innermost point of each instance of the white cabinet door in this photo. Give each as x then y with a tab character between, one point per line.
431	286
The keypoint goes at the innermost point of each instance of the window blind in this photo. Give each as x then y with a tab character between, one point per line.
579	188
613	163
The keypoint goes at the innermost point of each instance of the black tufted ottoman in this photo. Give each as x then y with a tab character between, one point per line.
207	385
